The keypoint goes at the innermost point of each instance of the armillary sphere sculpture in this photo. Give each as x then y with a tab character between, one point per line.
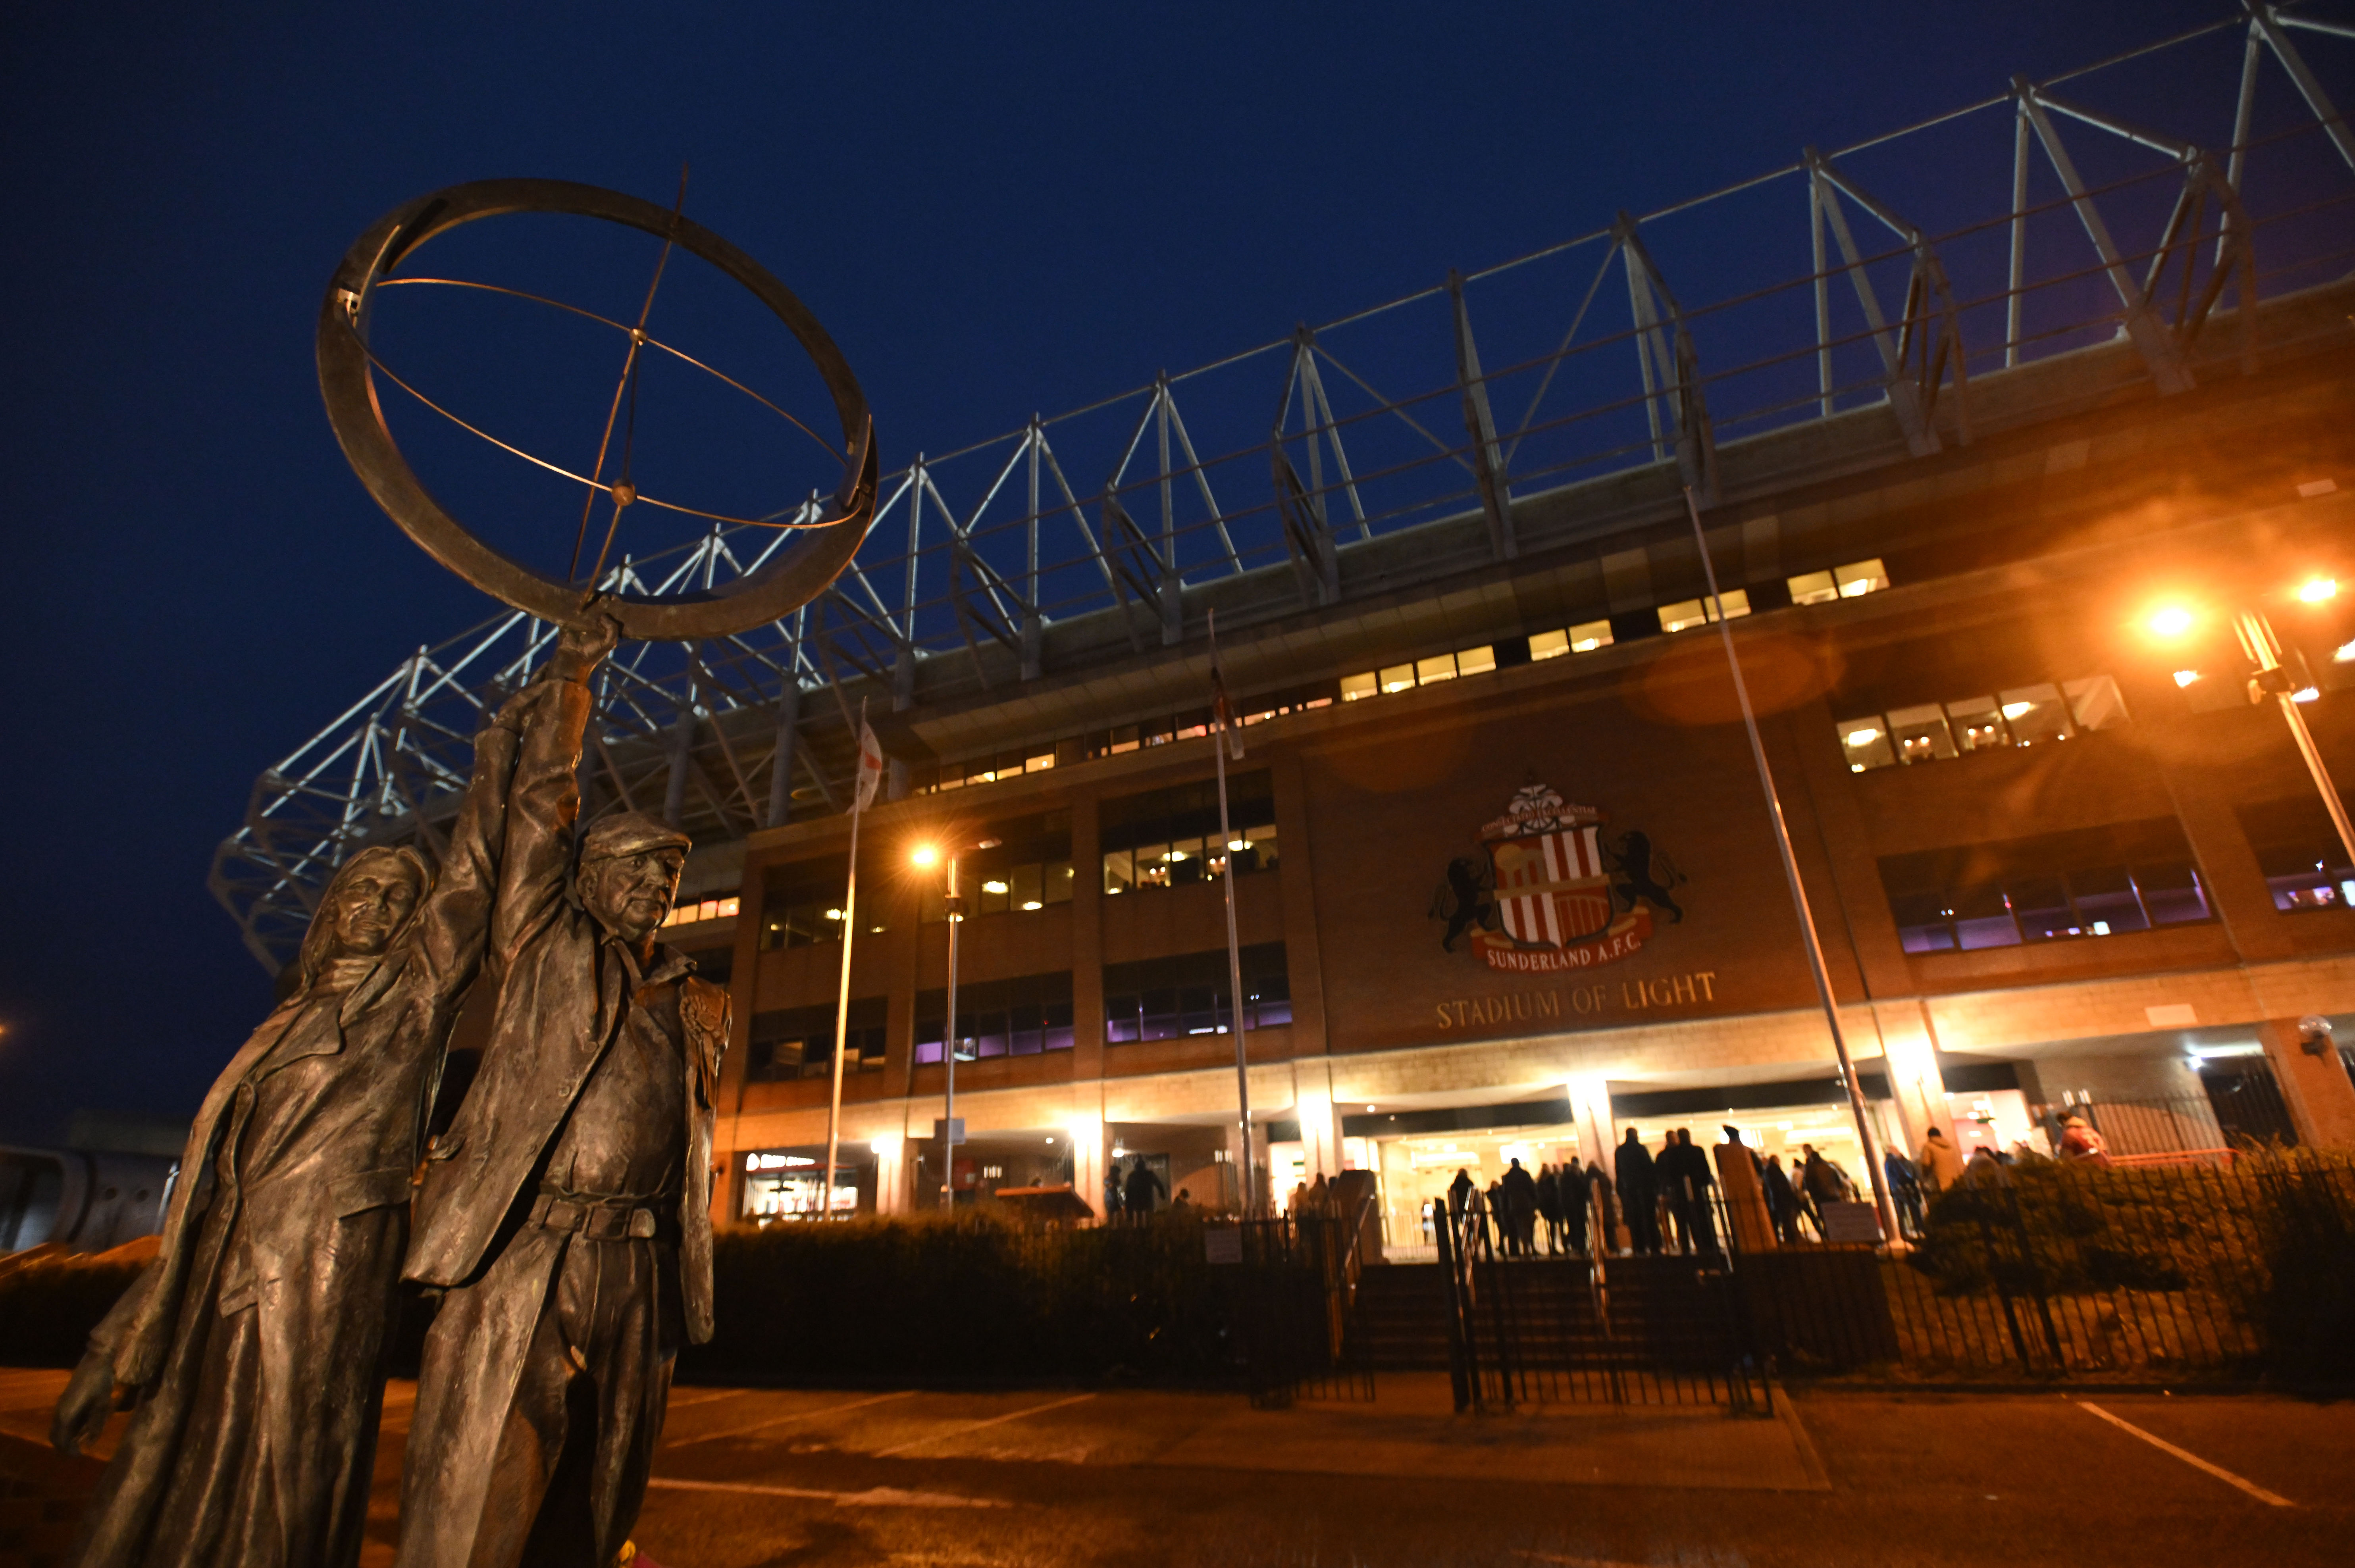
347	368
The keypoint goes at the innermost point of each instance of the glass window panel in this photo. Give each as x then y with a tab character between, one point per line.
1682	615
1152	865
1976	724
989	898
1920	733
1184	861
927	1052
2105	900
1925	923
1861	578
1476	661
1119	871
1354	687
2171	892
1057	1032
1159	1010
1120	1019
1733	604
1197	1008
1025	1029
1269	1011
1549	645
1057	878
1442	667
2094	702
2041	906
991	1033
1398	677
1124	739
1027	888
1982	919
1040	763
1865	741
1262	839
2035	713
1814	588
1589	635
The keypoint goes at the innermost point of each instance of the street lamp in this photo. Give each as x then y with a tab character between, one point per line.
2271	678
925	855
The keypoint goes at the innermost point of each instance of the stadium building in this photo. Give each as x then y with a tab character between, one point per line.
1973	406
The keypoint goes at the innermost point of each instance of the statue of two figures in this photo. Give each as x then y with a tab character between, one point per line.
564	1217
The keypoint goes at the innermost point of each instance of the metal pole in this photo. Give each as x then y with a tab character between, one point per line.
1798	892
2258	641
948	1052
1235	975
842	1000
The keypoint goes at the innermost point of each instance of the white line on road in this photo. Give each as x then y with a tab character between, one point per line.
785	1420
873	1496
977	1426
2274	1498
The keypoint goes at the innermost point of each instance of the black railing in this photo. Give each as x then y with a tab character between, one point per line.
1294	1284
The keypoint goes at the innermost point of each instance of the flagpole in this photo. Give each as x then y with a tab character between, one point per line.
842	1000
1234	947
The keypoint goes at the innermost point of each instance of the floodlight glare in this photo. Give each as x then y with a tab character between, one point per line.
925	855
2186	677
2315	590
2172	622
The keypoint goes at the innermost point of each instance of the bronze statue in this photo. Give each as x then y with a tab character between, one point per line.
567	1210
252	1350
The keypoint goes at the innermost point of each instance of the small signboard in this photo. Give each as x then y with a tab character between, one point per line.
954	1129
1850	1223
1223	1244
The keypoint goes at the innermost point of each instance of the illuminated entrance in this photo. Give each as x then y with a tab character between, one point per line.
1415	1171
785	1184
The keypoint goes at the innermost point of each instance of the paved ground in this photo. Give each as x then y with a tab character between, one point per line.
751	1478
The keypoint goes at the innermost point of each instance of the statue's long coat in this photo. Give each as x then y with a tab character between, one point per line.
561	1001
258	1337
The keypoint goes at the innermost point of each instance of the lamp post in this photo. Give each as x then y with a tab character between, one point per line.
929	855
2272	677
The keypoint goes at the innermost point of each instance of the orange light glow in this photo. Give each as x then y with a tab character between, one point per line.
2186	677
2315	590
925	855
2172	620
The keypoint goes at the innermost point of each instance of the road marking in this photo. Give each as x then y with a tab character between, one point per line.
873	1496
2273	1498
785	1420
977	1426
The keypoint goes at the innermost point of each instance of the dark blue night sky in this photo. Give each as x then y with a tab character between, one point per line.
995	211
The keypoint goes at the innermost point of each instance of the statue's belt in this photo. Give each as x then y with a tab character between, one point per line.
602	1218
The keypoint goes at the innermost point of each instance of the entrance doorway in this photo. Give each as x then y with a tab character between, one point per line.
1414	1172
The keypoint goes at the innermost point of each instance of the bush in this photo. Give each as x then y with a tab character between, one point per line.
48	1305
968	1298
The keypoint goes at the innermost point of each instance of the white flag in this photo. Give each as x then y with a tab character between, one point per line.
870	766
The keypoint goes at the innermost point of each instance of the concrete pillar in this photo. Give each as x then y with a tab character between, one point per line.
1910	1056
890	1173
1091	1154
1590	1108
1320	1121
2315	1087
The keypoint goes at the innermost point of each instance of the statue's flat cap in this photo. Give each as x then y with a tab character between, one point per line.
629	833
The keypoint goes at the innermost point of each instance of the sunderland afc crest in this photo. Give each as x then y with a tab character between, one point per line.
1548	893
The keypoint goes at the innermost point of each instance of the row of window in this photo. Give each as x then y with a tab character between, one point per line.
1029	1014
1807	588
2099	881
1169	837
695	911
2021	716
2297	847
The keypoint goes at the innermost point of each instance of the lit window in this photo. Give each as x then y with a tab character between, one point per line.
1859	578
1476	661
1977	724
1398	677
2036	713
1589	635
2094	702
1549	644
1920	733
1866	744
1682	616
1814	588
1039	764
1440	668
1354	687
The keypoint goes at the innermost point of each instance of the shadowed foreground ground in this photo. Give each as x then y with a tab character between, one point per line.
750	1478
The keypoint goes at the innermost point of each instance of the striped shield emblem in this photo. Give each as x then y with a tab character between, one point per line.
1551	887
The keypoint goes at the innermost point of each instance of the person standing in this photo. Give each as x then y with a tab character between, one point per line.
566	1215
1570	1201
1549	1206
1904	1191
1639	1195
1939	1164
1605	1204
1521	1208
1694	1182
1782	1200
254	1346
1144	1192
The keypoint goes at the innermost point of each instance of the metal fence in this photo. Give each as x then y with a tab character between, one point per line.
2238	1270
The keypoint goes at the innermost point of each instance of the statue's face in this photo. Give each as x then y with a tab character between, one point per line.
630	894
370	905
